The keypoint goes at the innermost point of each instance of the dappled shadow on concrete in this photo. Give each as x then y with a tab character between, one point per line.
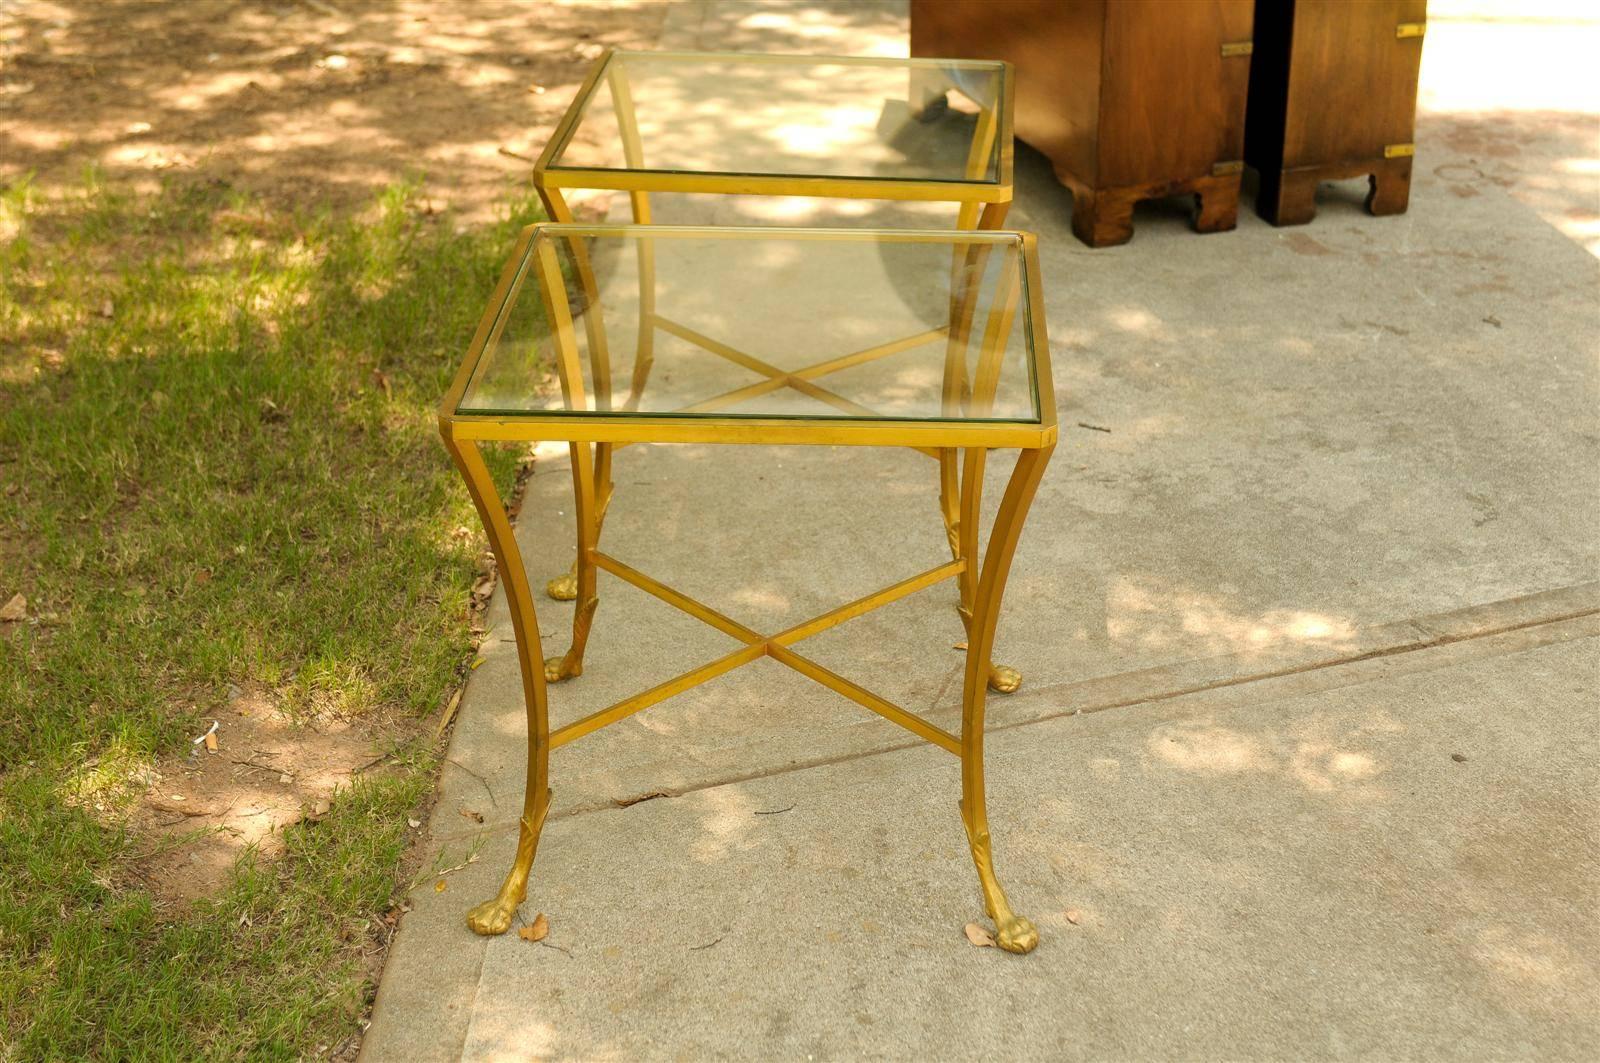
306	102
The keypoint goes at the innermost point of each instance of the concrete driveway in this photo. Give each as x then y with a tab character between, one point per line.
1331	575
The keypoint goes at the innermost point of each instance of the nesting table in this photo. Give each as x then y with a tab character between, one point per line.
933	340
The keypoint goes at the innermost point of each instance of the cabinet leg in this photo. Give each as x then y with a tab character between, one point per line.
1389	189
1287	198
1217	205
1102	219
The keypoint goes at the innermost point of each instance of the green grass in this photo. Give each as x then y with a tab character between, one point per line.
218	466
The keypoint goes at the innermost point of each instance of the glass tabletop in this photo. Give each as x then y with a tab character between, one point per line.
858	118
728	323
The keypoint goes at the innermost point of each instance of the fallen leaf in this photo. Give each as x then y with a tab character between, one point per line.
413	823
476	663
440	886
472	814
979	936
449	712
322	808
14	610
959	646
537	930
178	810
1074	916
628	802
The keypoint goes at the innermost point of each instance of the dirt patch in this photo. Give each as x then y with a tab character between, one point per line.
267	773
303	102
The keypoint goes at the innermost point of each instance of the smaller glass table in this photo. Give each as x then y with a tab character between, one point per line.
932	340
729	122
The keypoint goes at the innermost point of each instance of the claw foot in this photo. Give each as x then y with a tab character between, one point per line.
492	917
556	669
563	588
1016	935
1003	680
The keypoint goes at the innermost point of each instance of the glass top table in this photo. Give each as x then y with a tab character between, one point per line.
734	334
605	336
860	127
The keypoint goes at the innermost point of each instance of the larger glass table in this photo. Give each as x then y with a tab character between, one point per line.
932	340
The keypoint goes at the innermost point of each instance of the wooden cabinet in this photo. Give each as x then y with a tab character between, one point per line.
1333	94
1130	100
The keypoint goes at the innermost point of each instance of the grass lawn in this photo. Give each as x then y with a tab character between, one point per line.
219	470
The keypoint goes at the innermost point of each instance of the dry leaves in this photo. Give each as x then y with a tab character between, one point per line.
979	937
1074	916
537	930
14	610
472	814
440	886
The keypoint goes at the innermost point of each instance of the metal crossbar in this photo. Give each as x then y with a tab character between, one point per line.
757	646
800	379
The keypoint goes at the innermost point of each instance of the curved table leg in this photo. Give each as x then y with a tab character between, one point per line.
568	586
587	477
564	588
963	306
1002	679
1014	933
494	916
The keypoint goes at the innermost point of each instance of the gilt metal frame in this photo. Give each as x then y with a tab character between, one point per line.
963	429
